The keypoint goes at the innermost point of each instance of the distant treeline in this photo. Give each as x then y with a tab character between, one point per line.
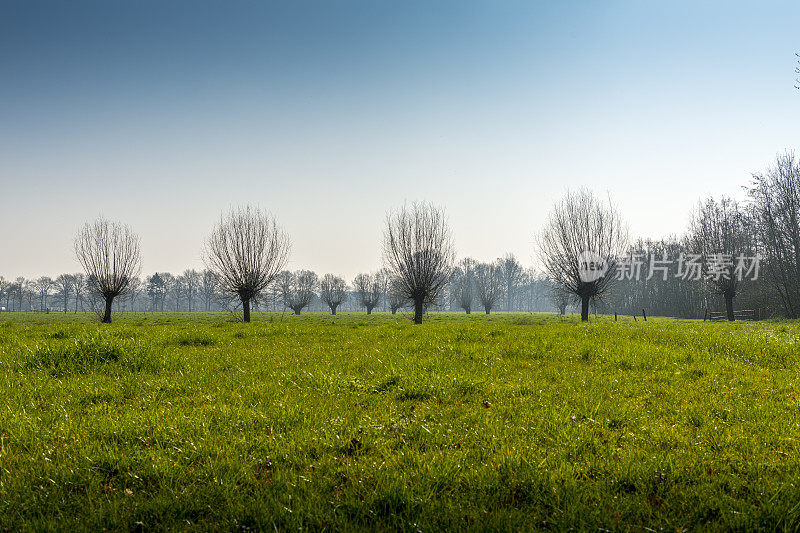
247	252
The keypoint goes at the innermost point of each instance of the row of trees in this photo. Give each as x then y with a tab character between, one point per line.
246	253
503	285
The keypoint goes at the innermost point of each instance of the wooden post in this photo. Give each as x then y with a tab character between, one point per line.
615	317
644	315
705	316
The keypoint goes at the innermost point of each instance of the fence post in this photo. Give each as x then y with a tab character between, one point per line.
644	315
615	316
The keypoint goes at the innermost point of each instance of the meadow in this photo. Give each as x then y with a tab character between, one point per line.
508	421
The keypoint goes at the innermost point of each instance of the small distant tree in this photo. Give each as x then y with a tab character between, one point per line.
333	291
191	287
581	224
4	291
559	298
207	288
512	272
368	288
489	285
64	286
418	251
463	284
396	299
80	290
156	290
44	286
110	255
297	289
246	251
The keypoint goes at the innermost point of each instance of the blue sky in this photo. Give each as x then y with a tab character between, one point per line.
162	114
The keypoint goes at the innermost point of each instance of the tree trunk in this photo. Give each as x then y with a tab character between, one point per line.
246	308
369	310
333	309
488	310
584	308
394	311
418	311
107	314
729	307
297	311
468	310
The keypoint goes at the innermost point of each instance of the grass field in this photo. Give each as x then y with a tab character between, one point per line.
349	422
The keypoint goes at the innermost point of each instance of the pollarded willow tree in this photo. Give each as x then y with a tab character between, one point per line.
418	252
332	291
463	284
297	289
246	251
583	229
368	288
110	254
489	285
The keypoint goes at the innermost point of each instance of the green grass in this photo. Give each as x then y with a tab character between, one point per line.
171	421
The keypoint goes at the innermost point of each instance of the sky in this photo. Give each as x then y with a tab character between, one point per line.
164	114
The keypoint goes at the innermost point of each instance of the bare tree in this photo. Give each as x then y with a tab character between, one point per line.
191	286
559	298
80	289
418	251
463	284
207	288
512	272
368	288
395	296
4	292
109	253
44	286
720	231
297	289
333	291
64	285
489	285
775	202
246	251
581	229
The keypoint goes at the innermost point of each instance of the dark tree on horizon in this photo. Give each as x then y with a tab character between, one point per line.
109	252
246	250
581	223
419	254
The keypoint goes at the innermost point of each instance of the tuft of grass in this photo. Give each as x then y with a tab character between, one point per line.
90	351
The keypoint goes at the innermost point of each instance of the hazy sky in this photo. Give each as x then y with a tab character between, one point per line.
162	114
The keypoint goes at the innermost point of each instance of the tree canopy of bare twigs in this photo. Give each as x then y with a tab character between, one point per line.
297	289
332	291
721	232
775	202
580	223
109	252
463	284
489	285
418	251
368	288
246	251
